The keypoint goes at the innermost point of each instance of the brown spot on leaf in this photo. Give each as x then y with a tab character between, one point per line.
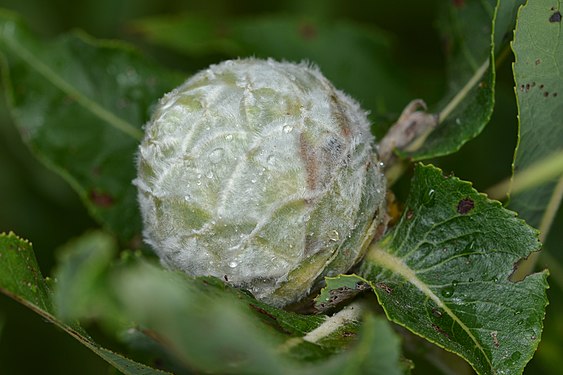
546	94
386	288
555	17
465	205
440	331
495	338
262	311
538	61
307	31
410	214
101	199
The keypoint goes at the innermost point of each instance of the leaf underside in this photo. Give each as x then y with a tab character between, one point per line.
80	105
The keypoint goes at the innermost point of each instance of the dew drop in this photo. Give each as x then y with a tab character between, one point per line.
209	175
495	279
454	283
287	129
233	264
517	312
471	280
253	180
334	235
436	312
448	291
216	155
229	137
429	198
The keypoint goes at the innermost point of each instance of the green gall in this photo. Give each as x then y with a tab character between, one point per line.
263	174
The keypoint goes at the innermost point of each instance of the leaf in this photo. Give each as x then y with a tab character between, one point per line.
443	272
211	327
362	66
475	32
339	289
539	89
21	280
80	105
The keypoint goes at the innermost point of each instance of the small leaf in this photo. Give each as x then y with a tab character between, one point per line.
443	273
206	325
20	279
475	32
539	92
339	289
80	104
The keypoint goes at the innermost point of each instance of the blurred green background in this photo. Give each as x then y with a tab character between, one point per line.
38	205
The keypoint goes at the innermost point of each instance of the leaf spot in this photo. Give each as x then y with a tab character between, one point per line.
307	31
386	288
555	17
495	338
101	199
465	205
440	331
538	61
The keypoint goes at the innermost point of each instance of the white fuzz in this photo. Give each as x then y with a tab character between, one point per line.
260	173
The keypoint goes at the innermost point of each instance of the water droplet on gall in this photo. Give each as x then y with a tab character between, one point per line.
287	129
229	137
334	235
216	155
233	264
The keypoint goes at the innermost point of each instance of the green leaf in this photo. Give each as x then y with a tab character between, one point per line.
539	89
21	279
339	289
211	327
443	273
80	104
475	32
362	66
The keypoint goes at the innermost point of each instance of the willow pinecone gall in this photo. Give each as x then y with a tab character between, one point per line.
260	173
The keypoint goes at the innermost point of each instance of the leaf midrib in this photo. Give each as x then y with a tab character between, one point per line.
394	264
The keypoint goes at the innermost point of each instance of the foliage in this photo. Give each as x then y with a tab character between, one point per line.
443	272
